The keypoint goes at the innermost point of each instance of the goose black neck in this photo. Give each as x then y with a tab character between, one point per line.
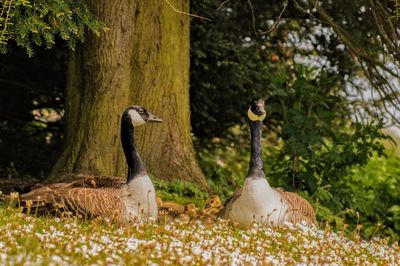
256	168
135	163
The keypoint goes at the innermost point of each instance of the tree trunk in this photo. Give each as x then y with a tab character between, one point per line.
143	59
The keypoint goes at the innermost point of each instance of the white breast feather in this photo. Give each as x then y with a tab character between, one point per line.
258	203
141	200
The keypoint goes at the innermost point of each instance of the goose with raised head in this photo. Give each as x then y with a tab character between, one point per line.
257	201
130	200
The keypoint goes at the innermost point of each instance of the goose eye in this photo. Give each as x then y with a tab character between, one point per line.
141	112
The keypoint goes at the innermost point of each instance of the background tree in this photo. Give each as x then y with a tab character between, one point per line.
145	61
143	58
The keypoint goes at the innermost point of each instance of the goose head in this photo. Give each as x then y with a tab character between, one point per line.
138	115
257	111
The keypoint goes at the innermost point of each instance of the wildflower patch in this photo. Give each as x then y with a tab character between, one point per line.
29	240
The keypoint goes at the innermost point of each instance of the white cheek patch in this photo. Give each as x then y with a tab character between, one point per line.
137	120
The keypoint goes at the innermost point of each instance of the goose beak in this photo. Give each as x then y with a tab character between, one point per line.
153	119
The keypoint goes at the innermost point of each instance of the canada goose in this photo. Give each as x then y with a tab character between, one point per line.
122	201
257	201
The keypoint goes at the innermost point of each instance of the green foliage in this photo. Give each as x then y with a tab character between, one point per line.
232	56
320	139
372	195
225	165
39	23
180	192
231	63
226	72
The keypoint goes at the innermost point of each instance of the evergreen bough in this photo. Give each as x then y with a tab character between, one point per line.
39	23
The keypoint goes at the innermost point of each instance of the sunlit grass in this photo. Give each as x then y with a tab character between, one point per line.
30	240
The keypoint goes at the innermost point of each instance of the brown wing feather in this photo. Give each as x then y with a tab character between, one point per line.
90	202
229	203
84	202
299	208
89	197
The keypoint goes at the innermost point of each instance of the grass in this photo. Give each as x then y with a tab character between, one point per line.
29	240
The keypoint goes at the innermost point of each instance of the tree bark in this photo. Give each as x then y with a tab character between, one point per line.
143	59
